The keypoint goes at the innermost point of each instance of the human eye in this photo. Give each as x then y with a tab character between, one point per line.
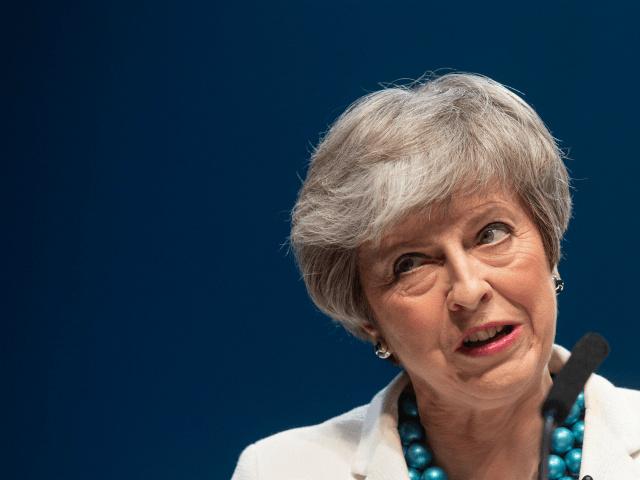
494	233
408	262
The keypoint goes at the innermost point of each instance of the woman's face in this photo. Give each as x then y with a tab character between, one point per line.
437	279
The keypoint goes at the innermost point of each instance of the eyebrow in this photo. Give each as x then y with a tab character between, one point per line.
393	248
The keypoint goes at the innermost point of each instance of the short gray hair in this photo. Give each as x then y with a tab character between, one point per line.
404	149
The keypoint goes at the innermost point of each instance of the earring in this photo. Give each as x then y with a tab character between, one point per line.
381	349
559	284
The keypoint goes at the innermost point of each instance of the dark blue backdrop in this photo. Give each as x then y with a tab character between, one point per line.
152	324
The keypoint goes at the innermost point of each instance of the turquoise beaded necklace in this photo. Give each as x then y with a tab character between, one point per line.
564	462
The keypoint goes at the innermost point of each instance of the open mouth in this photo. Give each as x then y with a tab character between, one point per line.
498	335
498	342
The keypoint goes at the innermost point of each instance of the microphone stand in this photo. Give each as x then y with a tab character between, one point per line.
546	446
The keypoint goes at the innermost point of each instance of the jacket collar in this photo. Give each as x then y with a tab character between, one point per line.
608	443
379	454
611	433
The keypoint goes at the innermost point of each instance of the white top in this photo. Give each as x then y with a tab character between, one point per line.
364	443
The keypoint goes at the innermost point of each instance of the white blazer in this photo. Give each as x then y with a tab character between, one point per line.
364	443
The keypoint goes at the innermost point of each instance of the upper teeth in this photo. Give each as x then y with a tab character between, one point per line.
483	334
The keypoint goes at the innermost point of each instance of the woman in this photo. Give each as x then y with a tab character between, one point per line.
429	224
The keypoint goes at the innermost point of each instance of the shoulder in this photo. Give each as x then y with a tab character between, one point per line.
631	401
344	430
616	399
612	424
619	406
320	451
337	448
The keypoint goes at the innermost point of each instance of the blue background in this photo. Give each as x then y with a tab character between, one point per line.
153	324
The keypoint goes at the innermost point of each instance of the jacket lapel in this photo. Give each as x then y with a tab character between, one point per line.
611	435
379	455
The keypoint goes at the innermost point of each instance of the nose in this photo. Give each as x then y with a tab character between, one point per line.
469	288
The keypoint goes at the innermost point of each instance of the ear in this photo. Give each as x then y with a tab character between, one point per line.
555	271
373	332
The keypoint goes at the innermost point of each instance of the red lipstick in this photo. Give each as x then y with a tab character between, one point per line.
493	347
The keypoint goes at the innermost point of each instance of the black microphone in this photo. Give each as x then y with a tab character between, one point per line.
586	357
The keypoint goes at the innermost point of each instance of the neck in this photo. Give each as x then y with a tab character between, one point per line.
485	438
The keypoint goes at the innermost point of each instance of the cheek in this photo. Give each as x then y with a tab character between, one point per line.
530	287
409	322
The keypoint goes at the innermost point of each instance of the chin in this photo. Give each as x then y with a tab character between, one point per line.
509	378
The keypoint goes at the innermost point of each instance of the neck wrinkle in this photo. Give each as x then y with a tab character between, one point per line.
492	443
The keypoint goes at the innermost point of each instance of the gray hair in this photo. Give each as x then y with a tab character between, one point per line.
402	150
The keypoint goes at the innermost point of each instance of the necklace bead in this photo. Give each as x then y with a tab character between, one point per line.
574	415
578	431
414	474
573	459
434	473
562	440
410	432
410	406
418	456
566	442
557	467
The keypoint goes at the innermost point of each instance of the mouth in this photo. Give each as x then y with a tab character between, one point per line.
474	344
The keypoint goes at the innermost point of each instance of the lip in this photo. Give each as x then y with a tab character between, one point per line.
494	347
484	327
